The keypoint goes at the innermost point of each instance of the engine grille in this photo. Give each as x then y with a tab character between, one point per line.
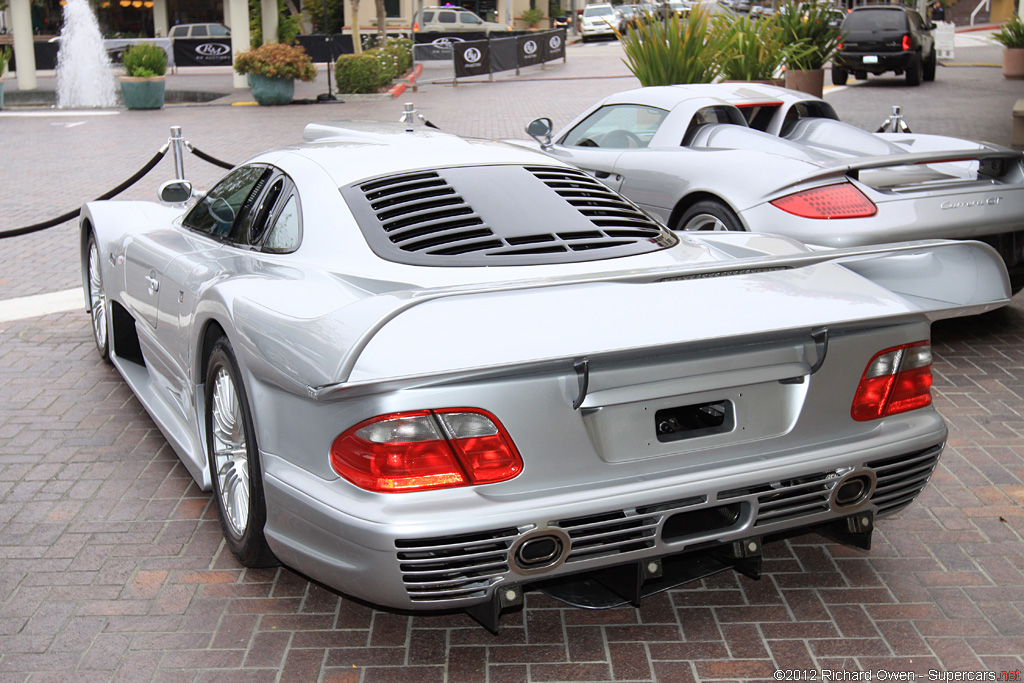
788	499
436	569
901	479
617	532
499	215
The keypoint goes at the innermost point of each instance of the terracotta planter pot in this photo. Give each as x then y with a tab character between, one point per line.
811	82
1013	62
271	91
143	93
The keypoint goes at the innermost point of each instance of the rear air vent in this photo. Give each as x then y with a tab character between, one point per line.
499	215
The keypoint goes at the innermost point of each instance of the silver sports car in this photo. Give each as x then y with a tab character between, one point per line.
429	371
744	156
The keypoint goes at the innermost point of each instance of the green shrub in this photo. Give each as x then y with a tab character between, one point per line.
754	50
806	24
680	50
1012	33
359	74
275	60
404	47
389	63
145	60
532	17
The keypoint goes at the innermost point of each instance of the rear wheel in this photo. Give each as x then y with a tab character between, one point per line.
929	67
915	70
709	214
234	460
97	298
839	76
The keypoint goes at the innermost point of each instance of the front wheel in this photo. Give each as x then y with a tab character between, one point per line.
929	67
839	76
915	70
234	460
98	309
709	214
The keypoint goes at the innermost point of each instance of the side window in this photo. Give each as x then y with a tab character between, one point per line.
218	30
468	18
286	230
259	218
230	199
198	31
446	17
617	126
428	17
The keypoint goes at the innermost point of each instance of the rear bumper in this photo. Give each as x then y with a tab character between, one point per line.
876	62
458	557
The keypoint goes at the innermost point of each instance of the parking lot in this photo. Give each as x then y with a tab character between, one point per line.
112	565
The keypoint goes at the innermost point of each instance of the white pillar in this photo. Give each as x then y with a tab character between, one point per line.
268	11
160	24
24	46
239	14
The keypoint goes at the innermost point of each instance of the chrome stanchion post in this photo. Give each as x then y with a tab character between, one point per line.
178	145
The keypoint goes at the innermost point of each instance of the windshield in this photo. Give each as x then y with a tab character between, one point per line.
597	11
876	20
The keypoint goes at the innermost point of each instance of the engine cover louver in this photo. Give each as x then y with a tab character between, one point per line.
499	215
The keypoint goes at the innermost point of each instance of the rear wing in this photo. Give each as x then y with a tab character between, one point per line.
934	278
992	163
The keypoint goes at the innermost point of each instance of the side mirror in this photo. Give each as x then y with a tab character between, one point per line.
540	130
175	192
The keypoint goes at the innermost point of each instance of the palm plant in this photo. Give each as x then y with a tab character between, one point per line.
754	50
676	50
807	23
1011	35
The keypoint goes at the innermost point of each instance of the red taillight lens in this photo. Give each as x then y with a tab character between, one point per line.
426	449
896	380
842	200
906	42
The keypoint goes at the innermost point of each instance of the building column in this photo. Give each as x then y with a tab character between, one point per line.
238	14
24	45
161	26
268	11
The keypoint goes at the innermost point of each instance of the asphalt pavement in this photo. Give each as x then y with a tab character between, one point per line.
112	565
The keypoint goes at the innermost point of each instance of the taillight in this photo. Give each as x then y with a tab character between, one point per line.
842	200
906	42
426	449
896	380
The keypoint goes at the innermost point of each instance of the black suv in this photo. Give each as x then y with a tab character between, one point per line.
877	39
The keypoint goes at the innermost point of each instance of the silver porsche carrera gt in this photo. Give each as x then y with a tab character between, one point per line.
430	372
745	156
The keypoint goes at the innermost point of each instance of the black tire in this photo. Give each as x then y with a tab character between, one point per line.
234	460
99	306
711	215
839	76
915	70
929	67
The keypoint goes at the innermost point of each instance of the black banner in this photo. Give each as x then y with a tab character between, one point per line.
320	50
472	58
202	52
529	49
45	53
503	54
553	43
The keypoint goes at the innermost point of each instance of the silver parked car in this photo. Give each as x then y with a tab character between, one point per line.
744	156
430	371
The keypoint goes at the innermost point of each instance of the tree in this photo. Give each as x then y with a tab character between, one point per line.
382	23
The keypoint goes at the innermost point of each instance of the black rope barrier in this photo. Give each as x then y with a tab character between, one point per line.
74	214
212	160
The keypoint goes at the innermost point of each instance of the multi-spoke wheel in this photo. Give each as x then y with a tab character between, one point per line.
709	215
234	460
97	298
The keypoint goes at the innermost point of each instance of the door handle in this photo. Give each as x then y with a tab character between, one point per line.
154	284
602	174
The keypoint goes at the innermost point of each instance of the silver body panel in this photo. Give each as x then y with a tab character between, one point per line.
332	334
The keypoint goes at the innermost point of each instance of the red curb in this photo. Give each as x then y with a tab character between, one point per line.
398	89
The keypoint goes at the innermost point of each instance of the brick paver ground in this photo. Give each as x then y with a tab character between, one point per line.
112	565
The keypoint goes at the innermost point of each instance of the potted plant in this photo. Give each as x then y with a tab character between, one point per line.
754	50
807	24
142	86
676	50
5	57
1012	38
533	17
272	69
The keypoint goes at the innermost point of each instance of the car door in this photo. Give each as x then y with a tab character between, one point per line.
596	143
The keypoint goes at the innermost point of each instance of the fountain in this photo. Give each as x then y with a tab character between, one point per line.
84	76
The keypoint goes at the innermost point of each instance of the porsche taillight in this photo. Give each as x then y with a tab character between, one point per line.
841	200
426	449
906	42
896	380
